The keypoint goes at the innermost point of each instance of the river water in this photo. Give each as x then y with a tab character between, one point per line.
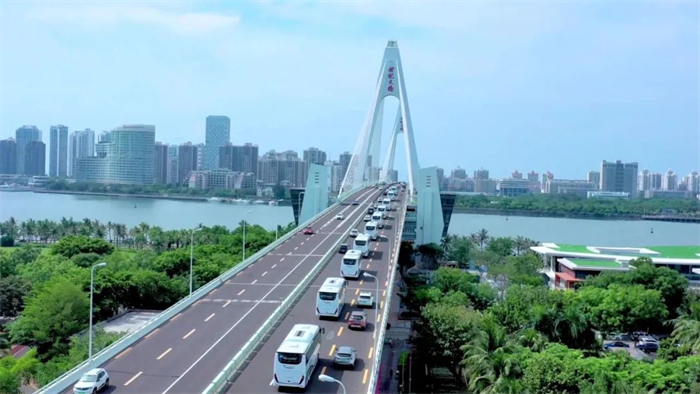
174	214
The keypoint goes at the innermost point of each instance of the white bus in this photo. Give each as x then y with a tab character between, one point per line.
371	230
382	209
350	266
387	204
377	218
362	244
297	356
331	297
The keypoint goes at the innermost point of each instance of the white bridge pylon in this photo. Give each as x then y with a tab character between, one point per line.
389	83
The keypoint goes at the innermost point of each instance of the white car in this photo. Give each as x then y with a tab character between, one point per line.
93	381
339	216
354	233
365	299
367	218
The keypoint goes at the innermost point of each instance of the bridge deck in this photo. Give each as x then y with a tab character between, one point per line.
187	352
257	375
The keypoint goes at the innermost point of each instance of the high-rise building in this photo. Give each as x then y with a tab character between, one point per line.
393	175
533	177
160	164
656	181
239	158
187	161
58	155
173	165
481	174
644	181
693	181
128	157
441	177
569	186
594	177
335	170
619	177
516	175
458	173
282	169
670	181
314	156
200	156
81	143
8	156
35	158
344	161
218	134
23	136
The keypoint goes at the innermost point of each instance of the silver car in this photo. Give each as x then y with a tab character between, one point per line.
345	356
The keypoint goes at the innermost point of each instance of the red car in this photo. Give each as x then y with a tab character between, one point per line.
308	231
358	319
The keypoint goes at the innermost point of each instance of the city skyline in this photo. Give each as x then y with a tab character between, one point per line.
586	91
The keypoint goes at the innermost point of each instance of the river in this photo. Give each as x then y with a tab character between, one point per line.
174	214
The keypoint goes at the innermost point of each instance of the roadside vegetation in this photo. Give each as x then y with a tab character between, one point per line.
569	204
45	283
496	328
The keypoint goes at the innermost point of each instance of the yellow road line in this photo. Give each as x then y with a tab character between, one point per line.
164	353
357	291
368	265
364	377
210	316
352	302
381	305
152	333
340	331
371	351
323	371
379	318
189	333
124	352
132	379
347	314
362	281
384	293
332	350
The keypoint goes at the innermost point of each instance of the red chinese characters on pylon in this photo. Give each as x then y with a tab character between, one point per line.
391	75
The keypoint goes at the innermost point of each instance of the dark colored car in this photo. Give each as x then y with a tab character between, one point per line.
343	248
355	202
648	346
308	231
615	344
370	211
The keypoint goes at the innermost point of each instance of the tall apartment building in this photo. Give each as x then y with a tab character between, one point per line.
693	181
23	136
314	156
619	177
173	161
81	143
670	181
594	177
282	168
656	181
8	156
533	177
187	155
481	174
128	157
58	155
344	161
217	134
160	163
239	158
335	171
200	156
644	181
516	175
458	173
35	158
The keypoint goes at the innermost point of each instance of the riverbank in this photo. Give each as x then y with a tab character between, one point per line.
151	196
565	215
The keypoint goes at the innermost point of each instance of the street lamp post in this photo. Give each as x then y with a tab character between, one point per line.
192	255
92	284
376	302
244	225
328	379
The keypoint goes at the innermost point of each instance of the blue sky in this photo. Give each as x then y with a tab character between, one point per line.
526	85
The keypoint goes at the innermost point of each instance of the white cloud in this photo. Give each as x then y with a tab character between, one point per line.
102	15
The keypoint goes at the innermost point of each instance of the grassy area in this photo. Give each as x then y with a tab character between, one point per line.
573	248
44	248
678	252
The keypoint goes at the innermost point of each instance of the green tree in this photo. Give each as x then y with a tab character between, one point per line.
13	289
624	308
480	238
444	328
552	371
73	245
430	255
502	246
51	315
461	251
491	361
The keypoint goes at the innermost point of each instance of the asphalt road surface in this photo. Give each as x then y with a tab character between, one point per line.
258	373
186	353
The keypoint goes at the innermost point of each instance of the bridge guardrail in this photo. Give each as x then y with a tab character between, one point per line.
379	346
66	380
222	379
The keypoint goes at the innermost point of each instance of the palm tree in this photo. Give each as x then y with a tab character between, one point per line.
480	237
686	331
447	243
5	346
490	363
110	226
532	339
